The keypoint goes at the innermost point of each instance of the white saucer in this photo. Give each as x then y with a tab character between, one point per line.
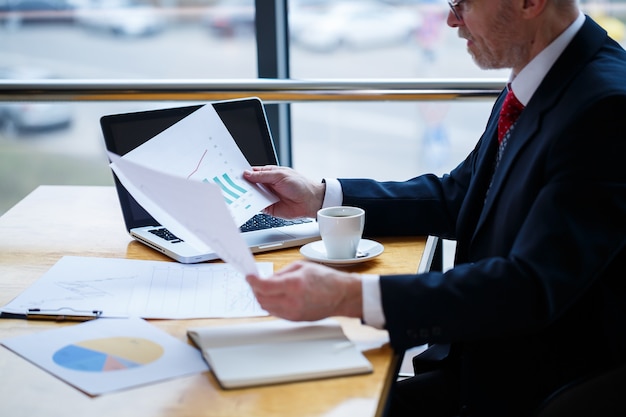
315	251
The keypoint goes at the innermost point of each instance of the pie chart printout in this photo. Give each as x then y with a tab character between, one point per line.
108	354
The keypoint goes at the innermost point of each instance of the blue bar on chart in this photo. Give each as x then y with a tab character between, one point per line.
231	190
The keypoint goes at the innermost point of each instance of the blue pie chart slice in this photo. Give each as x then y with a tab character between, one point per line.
104	355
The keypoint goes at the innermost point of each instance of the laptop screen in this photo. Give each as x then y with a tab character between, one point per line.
245	120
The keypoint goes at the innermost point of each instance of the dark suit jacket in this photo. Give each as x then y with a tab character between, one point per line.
538	293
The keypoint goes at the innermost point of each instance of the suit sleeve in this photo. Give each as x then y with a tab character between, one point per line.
420	206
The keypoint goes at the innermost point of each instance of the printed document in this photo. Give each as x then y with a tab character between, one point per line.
185	178
148	289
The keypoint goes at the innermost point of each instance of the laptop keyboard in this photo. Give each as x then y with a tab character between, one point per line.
258	222
265	221
163	233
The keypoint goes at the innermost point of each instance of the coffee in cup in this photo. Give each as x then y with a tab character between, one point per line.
341	229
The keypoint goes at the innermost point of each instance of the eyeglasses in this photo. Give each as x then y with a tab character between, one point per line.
454	6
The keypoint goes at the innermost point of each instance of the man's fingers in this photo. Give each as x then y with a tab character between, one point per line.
263	174
265	287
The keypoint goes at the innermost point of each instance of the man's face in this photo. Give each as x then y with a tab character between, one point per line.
492	31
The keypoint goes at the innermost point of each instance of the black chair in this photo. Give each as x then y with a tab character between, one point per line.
602	395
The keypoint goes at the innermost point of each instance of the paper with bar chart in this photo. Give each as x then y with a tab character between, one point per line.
200	148
190	179
192	210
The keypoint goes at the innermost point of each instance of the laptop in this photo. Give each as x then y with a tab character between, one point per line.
246	121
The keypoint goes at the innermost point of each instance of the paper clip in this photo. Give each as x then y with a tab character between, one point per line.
56	315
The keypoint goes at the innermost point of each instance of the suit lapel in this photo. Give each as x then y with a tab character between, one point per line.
482	172
584	45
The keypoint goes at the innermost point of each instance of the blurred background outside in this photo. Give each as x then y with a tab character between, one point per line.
61	142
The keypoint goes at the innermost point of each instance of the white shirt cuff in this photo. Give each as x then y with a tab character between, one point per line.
334	194
372	304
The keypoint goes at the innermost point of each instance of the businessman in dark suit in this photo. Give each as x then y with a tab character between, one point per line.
537	296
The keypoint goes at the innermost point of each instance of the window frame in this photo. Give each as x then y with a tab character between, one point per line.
272	39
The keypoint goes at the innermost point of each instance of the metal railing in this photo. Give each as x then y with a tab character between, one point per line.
268	90
276	92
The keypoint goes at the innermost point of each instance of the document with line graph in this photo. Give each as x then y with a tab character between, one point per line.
192	210
183	193
117	287
200	148
190	178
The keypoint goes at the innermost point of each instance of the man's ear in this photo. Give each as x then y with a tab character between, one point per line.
533	8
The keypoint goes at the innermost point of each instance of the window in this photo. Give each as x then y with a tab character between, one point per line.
60	142
380	40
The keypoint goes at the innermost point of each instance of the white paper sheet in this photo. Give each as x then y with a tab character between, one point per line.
190	179
192	210
200	148
108	355
148	289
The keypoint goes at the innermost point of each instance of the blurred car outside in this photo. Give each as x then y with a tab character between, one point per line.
121	17
352	24
231	18
13	13
25	117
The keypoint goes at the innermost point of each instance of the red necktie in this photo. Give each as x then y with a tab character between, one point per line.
509	113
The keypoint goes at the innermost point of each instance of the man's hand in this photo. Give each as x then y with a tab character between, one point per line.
305	291
299	196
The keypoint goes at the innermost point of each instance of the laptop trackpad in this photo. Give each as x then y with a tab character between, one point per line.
263	237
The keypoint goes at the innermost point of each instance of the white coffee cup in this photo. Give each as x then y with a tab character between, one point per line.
341	229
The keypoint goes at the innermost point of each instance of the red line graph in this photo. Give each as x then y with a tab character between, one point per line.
197	166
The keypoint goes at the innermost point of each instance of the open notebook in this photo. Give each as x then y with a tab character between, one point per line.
246	122
277	351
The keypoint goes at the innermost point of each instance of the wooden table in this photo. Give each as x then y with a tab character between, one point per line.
54	221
